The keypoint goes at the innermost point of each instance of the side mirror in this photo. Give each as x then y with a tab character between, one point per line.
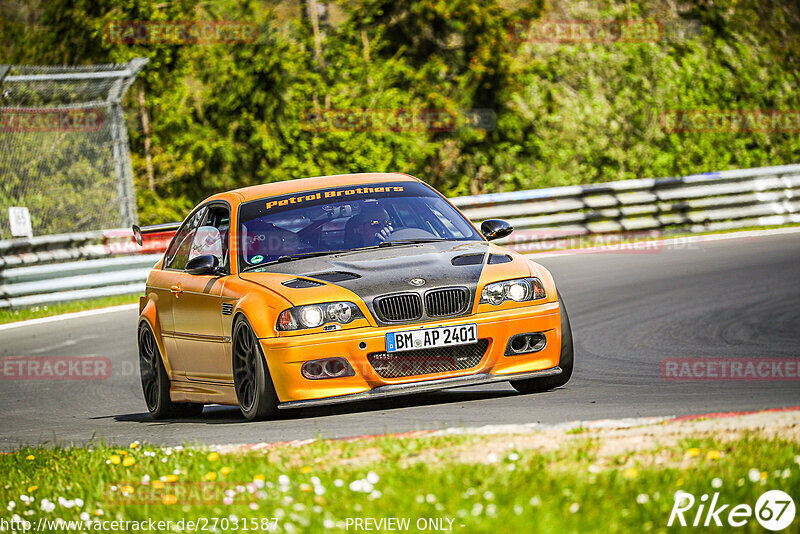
496	229
205	264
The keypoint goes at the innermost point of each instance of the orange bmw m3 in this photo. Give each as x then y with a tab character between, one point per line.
337	289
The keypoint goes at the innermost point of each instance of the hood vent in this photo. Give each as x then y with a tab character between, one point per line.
499	258
301	283
467	259
334	277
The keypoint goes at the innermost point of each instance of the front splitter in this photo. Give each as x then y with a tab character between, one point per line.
394	390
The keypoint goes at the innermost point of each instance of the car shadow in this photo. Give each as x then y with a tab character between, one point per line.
217	414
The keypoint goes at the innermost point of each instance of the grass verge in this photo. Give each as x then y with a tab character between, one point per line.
592	481
23	314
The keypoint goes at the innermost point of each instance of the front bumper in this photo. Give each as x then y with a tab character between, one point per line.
286	355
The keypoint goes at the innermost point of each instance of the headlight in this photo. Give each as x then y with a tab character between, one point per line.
314	315
518	290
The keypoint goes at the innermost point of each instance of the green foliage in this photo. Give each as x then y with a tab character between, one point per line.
226	116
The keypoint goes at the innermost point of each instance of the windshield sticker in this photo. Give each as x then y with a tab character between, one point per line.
333	193
257	259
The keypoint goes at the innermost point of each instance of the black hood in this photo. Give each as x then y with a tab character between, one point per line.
390	270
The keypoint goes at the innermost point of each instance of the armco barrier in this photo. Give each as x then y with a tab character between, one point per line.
65	267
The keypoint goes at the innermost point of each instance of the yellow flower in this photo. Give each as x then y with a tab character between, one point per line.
134	445
123	453
127	489
680	482
631	472
115	459
157	484
305	487
305	469
763	475
713	455
30	457
127	462
210	476
169	499
171	478
31	489
213	457
262	478
694	451
225	471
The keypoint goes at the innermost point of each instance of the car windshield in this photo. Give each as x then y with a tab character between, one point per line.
346	218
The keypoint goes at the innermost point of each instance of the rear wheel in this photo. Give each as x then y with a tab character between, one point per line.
155	382
534	385
251	379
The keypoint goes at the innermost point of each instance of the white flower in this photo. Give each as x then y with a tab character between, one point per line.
11	505
47	506
491	510
574	507
253	506
642	498
372	477
283	480
26	499
754	475
518	509
430	498
513	456
420	499
595	468
491	458
535	501
79	503
227	500
338	482
146	480
328	523
786	473
84	516
315	480
716	483
477	509
258	483
375	495
319	490
488	495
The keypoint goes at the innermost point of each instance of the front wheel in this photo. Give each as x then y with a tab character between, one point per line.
534	385
251	379
155	382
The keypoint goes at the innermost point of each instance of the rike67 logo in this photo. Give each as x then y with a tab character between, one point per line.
774	510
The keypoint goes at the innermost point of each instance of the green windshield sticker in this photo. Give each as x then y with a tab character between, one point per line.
257	259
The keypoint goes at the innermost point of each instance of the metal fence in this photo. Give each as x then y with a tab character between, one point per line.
64	147
76	266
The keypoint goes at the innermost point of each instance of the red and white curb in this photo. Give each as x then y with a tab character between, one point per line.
527	428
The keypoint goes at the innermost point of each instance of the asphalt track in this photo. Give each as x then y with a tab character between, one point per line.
727	298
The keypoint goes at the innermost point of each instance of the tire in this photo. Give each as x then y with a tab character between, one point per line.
155	382
252	382
566	362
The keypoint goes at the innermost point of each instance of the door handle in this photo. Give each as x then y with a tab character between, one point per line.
177	290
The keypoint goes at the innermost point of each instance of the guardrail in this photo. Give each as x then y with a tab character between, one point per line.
94	264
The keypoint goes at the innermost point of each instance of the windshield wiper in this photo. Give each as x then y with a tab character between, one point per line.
293	257
411	241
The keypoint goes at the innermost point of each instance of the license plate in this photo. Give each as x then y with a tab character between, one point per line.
427	338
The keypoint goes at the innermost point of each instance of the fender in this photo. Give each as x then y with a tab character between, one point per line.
147	314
